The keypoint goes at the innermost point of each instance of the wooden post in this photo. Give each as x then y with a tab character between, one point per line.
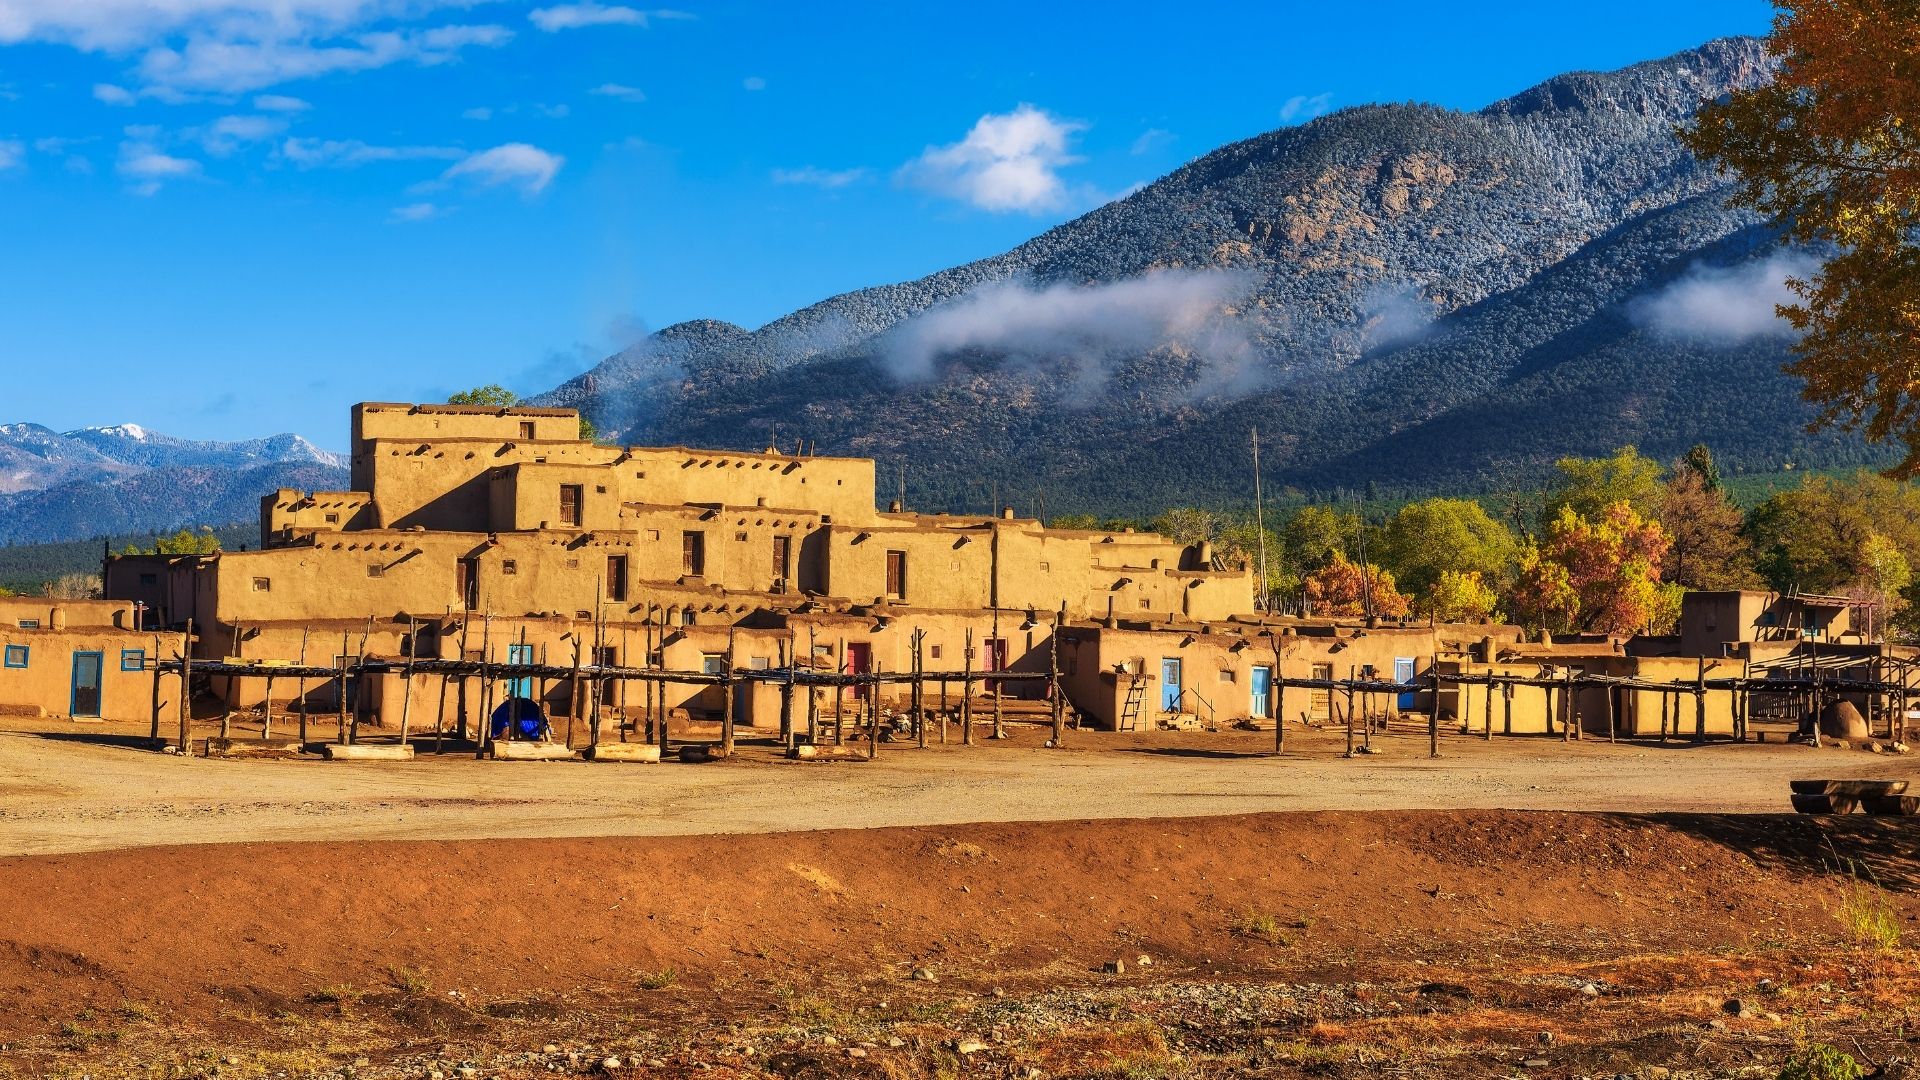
575	693
943	710
1279	699
1745	700
1433	711
621	722
873	713
360	680
406	690
1572	709
726	720
1613	723
154	732
1700	703
919	688
786	696
840	668
266	709
966	694
1663	716
483	738
1348	710
1059	689
340	734
1506	698
186	688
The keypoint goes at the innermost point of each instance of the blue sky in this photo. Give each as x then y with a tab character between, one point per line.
229	218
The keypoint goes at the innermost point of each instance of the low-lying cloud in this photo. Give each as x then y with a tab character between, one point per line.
1726	305
1091	327
1393	315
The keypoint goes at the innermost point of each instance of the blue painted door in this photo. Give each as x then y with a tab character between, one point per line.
1262	689
1169	684
85	699
1403	674
520	654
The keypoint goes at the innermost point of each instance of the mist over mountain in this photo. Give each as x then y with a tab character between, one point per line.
1401	297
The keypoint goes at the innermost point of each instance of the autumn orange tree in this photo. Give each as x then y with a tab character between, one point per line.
1830	149
1341	588
1600	574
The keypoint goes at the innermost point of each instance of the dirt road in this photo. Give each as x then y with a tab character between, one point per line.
61	794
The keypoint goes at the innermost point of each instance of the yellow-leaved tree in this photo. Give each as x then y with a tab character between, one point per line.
1830	149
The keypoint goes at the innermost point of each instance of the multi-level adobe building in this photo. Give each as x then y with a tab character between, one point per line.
472	528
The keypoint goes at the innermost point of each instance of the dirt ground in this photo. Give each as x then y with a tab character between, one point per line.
65	788
1129	907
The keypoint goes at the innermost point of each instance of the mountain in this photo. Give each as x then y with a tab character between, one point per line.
125	479
1402	297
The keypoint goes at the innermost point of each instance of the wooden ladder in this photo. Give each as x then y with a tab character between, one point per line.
1130	710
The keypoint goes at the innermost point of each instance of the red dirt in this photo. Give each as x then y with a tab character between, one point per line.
193	929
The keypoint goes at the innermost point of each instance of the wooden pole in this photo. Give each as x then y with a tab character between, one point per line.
1700	703
1613	722
919	688
302	687
1506	696
1059	689
574	694
406	690
873	714
841	668
943	711
266	709
966	694
1433	710
1571	709
620	693
1279	697
483	738
340	734
1348	710
786	694
154	732
726	720
186	688
440	711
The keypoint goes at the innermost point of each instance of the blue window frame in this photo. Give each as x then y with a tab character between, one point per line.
133	659
16	656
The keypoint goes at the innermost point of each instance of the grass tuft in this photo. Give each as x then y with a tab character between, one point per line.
657	980
1818	1061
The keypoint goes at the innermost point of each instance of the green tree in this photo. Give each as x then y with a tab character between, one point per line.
184	542
1434	536
1588	486
1459	596
1699	460
589	432
1814	537
492	395
1827	148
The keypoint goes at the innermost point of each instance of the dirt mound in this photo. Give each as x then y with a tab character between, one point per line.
193	929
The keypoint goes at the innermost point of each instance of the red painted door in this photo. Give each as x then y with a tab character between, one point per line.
859	662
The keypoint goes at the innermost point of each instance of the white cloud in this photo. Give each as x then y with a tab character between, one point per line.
346	153
109	94
1008	161
1152	139
145	166
13	154
619	92
1726	305
554	112
574	16
518	164
1089	328
229	133
421	211
1300	108
1394	315
817	177
478	112
237	65
280	103
753	82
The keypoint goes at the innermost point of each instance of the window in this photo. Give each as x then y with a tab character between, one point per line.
423	642
653	534
617	578
758	663
333	519
897	574
606	656
16	656
782	550
526	429
467	581
933	652
261	584
713	663
374	569
570	505
509	567
149	580
29	624
1226	675
133	659
693	554
740	537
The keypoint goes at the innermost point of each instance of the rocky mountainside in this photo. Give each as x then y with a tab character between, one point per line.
125	479
1402	297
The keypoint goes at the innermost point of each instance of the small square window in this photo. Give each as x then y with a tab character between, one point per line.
758	663
261	584
653	534
713	663
29	624
133	659
16	656
1226	675
509	567
374	569
599	489
740	536
1046	567
333	519
149	580
933	652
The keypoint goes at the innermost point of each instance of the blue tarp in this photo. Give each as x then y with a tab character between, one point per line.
532	722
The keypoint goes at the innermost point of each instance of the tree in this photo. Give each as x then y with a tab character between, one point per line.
1589	485
1434	536
1598	575
1699	460
184	542
589	432
492	395
1459	596
1189	525
1341	588
1828	149
1709	551
1814	537
1314	536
